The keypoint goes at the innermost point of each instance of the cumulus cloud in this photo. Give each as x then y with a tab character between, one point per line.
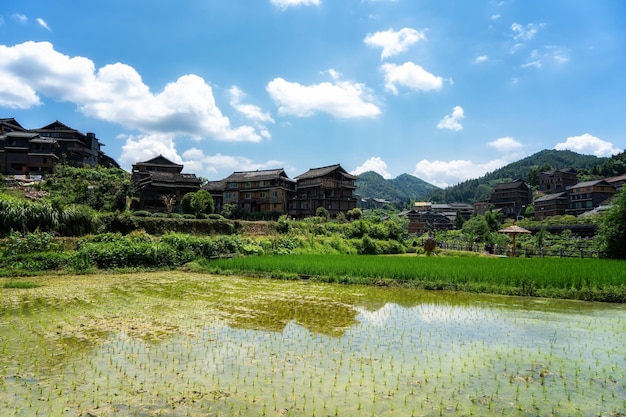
409	75
340	99
588	144
114	93
375	164
506	144
248	110
446	173
43	23
451	121
284	4
393	42
525	33
196	160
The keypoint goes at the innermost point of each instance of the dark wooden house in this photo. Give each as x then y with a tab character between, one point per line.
331	187
558	180
586	196
551	205
159	177
74	147
261	191
511	198
24	153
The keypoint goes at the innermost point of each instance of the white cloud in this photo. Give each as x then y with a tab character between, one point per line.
145	147
506	145
220	166
114	93
525	33
19	18
341	99
444	174
43	23
550	54
373	164
588	144
480	59
248	110
410	75
393	42
284	4
495	16
451	121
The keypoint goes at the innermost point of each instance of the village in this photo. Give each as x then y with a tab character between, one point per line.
34	153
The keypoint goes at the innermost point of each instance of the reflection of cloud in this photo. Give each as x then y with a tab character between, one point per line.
425	312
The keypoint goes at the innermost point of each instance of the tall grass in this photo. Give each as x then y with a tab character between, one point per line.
587	279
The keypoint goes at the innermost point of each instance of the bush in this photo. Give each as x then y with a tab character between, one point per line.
142	213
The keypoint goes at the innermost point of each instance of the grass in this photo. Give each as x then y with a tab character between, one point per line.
20	284
583	279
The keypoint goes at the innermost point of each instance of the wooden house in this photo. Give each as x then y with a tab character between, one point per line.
24	153
511	198
331	187
74	147
423	221
159	177
586	196
551	205
261	191
558	180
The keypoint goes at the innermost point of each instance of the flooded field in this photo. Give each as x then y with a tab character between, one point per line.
186	344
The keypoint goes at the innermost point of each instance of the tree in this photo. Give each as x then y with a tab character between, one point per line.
202	202
322	212
185	203
612	232
169	201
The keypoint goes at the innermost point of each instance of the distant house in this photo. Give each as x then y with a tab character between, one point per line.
160	177
331	187
558	180
74	147
423	221
586	196
261	191
617	182
511	198
551	205
452	209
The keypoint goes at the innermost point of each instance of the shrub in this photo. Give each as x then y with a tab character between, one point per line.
142	213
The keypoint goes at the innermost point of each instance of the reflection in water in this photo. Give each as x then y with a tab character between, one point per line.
198	345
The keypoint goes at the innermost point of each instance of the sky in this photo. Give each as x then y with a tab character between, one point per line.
444	90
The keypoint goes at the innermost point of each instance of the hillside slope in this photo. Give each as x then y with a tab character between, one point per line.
403	188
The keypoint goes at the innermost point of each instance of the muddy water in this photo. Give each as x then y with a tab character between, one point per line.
186	344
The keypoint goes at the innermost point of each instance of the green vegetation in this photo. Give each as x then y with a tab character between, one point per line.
590	279
612	233
400	190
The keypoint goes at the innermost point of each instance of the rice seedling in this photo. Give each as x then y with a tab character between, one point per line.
192	344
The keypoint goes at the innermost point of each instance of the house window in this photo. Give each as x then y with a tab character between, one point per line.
274	193
248	196
248	184
304	205
234	185
261	183
228	196
263	195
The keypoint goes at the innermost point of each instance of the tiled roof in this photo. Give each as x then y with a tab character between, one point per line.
320	172
259	175
550	197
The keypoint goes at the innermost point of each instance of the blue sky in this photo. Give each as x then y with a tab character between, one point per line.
444	90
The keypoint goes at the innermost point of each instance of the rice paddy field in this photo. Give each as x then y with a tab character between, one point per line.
586	279
194	344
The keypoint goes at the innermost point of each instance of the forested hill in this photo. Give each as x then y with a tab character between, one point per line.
479	189
403	188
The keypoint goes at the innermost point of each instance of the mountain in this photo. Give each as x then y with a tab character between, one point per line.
407	187
479	189
403	188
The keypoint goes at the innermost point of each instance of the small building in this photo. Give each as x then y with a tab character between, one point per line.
421	222
511	198
453	209
558	180
551	205
331	187
261	191
617	182
24	153
159	177
586	196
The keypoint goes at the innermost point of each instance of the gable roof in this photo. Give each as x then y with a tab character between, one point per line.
258	175
510	185
322	171
12	123
56	125
159	160
588	184
550	197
